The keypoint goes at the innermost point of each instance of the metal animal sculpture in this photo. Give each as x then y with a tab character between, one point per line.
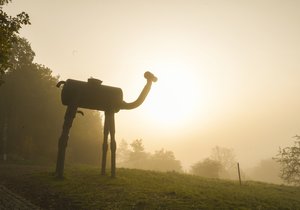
93	95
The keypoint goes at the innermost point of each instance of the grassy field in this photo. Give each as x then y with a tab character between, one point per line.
84	188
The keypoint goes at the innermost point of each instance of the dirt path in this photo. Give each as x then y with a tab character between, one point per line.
10	200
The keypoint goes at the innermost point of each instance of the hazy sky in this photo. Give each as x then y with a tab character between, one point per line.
228	71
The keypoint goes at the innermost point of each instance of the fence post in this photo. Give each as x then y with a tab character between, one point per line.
238	166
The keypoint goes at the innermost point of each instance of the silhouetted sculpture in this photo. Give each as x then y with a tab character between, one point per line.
93	95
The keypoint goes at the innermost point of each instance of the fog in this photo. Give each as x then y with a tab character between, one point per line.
228	71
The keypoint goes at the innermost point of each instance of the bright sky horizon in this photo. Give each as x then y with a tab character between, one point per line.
228	71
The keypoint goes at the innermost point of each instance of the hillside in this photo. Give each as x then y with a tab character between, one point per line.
85	188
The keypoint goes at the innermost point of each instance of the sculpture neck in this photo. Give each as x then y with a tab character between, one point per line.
140	99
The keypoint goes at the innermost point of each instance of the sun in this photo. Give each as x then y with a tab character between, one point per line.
174	97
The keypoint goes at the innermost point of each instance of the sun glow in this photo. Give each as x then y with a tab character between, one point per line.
174	97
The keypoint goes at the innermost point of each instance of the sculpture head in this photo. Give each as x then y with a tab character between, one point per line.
150	77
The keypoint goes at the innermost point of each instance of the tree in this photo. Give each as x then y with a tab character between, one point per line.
33	114
9	29
137	157
207	168
227	159
163	160
24	98
289	159
137	146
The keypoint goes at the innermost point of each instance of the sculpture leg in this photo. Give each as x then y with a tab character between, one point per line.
63	140
113	145
105	144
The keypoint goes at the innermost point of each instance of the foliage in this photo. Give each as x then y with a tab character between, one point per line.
136	157
34	114
9	29
85	188
137	146
289	159
207	168
163	160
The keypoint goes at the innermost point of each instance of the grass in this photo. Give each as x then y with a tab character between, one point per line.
84	188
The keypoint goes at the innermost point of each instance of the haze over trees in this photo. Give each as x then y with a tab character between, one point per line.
267	170
226	158
220	164
207	168
135	156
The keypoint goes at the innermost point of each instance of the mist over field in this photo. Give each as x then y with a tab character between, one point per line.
146	104
226	94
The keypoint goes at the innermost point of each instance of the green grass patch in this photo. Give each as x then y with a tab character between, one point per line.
84	188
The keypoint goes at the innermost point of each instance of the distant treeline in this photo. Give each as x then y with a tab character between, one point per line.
31	114
133	155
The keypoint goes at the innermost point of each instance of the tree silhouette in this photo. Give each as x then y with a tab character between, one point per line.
137	157
9	29
207	168
289	159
